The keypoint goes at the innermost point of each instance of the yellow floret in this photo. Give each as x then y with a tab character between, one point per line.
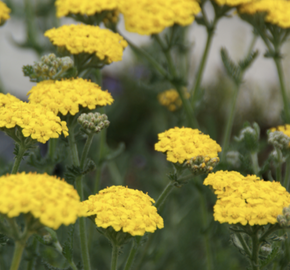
170	99
246	200
36	121
4	13
80	38
84	7
182	144
53	201
278	11
148	17
124	209
232	2
65	96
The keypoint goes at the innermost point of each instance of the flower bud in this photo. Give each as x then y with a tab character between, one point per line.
250	137
201	165
279	139
93	122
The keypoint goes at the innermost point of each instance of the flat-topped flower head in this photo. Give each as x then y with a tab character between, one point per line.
171	99
232	2
49	199
246	199
4	13
76	39
84	7
125	209
277	11
36	121
66	96
148	17
182	144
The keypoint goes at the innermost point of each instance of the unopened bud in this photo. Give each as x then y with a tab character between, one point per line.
93	122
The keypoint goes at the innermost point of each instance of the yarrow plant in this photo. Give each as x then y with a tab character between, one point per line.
80	161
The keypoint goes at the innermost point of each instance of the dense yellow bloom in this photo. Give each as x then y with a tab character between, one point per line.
246	200
278	11
4	12
148	17
182	144
35	120
285	129
65	96
232	2
124	209
170	99
84	7
51	200
105	44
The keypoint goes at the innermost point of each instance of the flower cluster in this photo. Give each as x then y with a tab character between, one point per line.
278	11
36	121
182	144
170	99
148	17
106	45
246	200
202	165
285	129
4	13
284	219
232	2
94	122
65	96
124	209
84	7
45	197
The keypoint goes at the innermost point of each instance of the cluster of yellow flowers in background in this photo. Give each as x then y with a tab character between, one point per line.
84	7
45	197
65	96
182	144
35	120
170	99
124	209
246	200
232	2
89	39
278	11
4	13
148	17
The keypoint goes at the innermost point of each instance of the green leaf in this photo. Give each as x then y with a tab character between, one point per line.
275	252
3	240
50	267
246	63
67	250
232	69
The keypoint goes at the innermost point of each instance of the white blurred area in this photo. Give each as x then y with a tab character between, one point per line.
232	33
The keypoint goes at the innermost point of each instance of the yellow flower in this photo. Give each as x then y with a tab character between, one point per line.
170	99
4	13
148	17
246	200
124	209
35	120
232	2
46	197
278	11
84	7
285	129
65	96
182	144
105	44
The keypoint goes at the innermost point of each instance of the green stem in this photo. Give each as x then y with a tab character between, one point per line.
164	194
79	187
102	147
32	261
283	89
18	158
278	174
229	124
255	163
287	174
255	251
86	149
131	256
208	252
18	250
201	67
114	260
51	148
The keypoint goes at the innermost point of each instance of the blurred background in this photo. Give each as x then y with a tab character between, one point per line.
136	118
